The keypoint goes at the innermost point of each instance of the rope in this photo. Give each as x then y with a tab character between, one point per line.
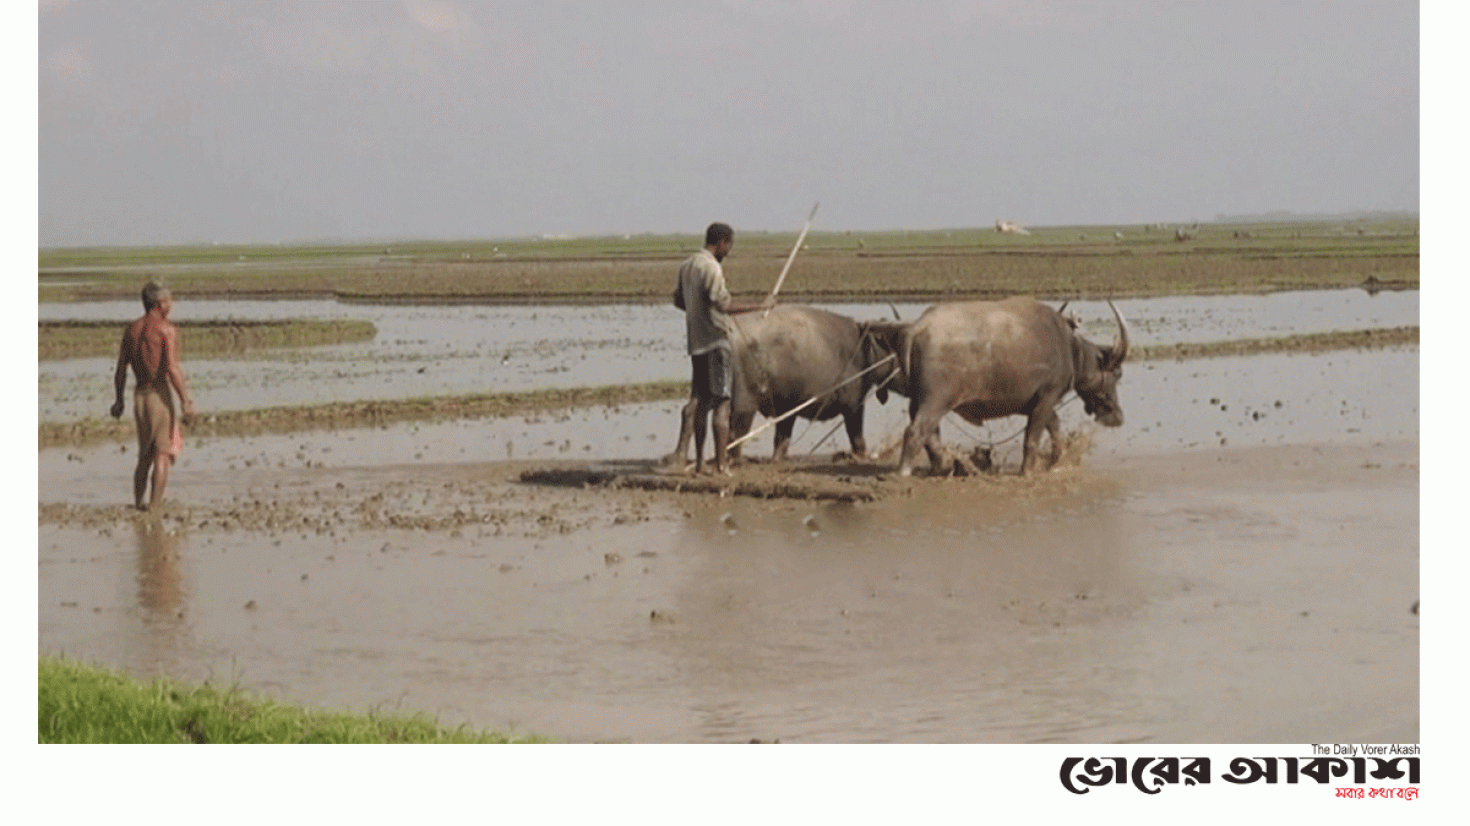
1066	400
851	359
871	390
793	411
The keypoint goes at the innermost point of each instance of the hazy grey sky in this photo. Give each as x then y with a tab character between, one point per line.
181	122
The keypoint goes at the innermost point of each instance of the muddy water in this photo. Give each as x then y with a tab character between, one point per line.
1251	595
1171	588
1238	401
439	350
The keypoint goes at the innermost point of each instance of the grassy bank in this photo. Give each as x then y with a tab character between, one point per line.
336	415
83	339
79	703
1055	263
1301	343
342	415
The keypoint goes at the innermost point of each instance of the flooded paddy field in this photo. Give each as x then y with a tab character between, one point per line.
1237	563
451	350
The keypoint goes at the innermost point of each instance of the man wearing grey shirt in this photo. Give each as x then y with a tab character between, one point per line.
705	300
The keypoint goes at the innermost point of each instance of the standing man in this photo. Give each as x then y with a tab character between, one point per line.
705	300
151	346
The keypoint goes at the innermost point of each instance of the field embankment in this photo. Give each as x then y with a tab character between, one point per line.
1058	263
370	413
83	339
342	415
1052	263
78	703
1301	343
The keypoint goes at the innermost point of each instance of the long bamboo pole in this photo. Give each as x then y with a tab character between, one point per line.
792	257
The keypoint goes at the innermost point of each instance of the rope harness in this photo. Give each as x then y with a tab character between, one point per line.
1066	400
770	402
1070	396
797	409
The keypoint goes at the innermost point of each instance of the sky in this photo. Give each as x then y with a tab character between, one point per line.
246	122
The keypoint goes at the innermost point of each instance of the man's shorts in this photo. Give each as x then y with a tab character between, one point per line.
153	412
712	374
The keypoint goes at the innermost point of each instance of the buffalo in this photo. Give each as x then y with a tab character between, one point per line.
795	355
989	359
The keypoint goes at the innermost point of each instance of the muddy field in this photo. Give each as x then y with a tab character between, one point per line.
464	514
1237	563
1252	595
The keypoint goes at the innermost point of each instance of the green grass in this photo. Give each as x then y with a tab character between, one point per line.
79	703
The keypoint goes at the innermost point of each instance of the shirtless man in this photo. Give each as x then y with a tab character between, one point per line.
151	346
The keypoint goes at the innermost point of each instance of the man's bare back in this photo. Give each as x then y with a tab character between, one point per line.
146	344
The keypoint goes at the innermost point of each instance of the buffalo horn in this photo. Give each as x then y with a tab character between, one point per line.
1120	344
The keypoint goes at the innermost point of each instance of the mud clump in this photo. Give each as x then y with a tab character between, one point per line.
484	507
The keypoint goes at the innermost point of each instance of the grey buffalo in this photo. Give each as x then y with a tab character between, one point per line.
988	359
791	356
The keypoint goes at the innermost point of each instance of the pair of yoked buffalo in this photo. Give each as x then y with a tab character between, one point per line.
980	359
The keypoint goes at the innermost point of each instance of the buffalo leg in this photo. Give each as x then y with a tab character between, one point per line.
922	432
784	429
1043	418
1035	423
1053	429
739	426
853	421
940	461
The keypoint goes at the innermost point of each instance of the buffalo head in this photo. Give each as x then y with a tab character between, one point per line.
882	339
1098	370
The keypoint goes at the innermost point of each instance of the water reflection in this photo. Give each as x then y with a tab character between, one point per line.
942	617
161	595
